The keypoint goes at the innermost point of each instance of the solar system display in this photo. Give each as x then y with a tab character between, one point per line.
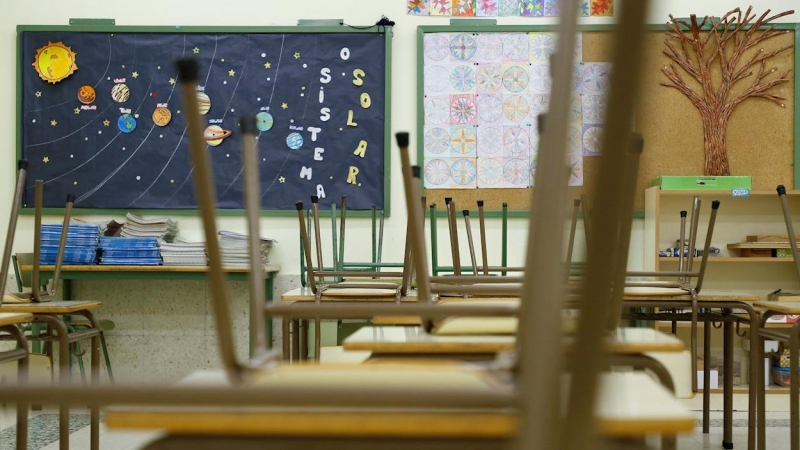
101	116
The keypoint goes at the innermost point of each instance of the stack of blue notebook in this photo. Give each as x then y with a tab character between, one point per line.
129	251
81	247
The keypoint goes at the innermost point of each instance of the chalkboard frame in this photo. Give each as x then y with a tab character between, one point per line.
386	31
476	26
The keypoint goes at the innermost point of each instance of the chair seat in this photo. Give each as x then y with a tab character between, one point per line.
780	307
79	321
60	307
15	318
518	286
679	366
351	292
648	291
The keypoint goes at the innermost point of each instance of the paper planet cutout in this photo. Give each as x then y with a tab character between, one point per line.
162	116
294	141
120	93
264	121
86	95
126	123
213	135
54	62
203	102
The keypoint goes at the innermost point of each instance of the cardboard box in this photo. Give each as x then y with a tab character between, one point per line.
693	183
781	296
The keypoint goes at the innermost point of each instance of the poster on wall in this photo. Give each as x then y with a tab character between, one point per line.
102	116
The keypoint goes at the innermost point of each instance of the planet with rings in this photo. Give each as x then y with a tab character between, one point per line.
213	135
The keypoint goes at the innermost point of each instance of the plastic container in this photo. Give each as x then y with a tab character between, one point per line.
781	375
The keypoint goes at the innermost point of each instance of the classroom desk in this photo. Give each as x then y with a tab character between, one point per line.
112	273
630	405
707	302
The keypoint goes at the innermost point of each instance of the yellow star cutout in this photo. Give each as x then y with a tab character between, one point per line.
38	94
53	122
172	81
45	160
296	55
135	75
268	65
231	72
281	180
77	110
284	105
196	50
106	122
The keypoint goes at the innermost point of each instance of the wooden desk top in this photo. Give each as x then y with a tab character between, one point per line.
60	307
631	404
304	294
14	318
781	307
703	296
155	269
413	340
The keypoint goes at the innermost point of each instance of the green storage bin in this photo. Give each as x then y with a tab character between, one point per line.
695	183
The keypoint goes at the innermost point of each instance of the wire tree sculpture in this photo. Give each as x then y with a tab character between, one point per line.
717	54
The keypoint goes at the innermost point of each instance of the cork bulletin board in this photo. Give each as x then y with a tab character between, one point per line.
761	136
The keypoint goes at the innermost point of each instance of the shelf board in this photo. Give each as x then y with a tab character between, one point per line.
759	245
666	324
745	389
724	192
739	259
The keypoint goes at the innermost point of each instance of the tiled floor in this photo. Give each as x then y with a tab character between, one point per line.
44	433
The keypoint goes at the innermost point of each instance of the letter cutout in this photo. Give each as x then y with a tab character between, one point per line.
320	191
326	75
305	172
350	119
366	100
318	153
314	131
325	114
351	176
358	74
321	95
345	54
361	149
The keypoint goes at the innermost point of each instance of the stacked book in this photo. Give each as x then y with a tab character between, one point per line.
162	228
235	249
81	246
129	251
182	253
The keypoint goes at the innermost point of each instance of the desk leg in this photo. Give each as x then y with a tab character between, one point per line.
285	340
303	340
727	381
268	288
706	375
794	391
57	324
295	340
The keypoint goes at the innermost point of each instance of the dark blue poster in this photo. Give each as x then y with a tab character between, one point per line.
101	117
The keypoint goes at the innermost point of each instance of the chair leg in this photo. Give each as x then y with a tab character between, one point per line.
105	355
79	354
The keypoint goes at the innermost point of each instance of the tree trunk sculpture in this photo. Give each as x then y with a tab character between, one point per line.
725	48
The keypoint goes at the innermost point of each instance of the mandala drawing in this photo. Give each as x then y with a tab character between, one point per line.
489	78
595	77
437	141
542	46
441	7
594	109
516	141
463	78
574	140
591	140
540	78
577	79
462	109
465	8
490	141
463	171
486	8
534	140
463	140
552	8
516	108
437	79
532	165
437	172
490	172
532	8
575	164
516	172
575	108
437	111
509	8
490	108
515	47
437	46
490	46
463	47
539	105
515	79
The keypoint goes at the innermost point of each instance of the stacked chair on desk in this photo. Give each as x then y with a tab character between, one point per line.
45	309
262	403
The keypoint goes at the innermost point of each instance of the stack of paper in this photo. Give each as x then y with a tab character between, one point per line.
235	249
162	228
107	228
81	247
130	251
182	253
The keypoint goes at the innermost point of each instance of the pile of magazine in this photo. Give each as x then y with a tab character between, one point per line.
129	251
235	249
162	228
81	246
183	253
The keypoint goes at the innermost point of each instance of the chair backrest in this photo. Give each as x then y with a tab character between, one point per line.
787	218
22	166
24	277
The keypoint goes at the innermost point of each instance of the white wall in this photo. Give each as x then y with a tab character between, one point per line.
271	12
